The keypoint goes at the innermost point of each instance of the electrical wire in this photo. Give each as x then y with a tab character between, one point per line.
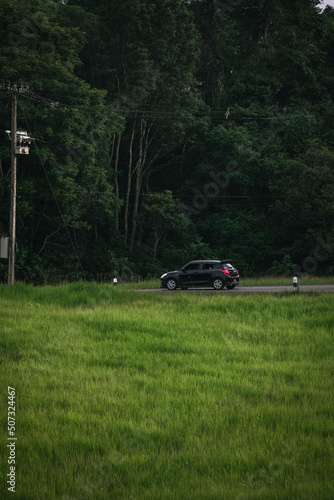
54	196
126	111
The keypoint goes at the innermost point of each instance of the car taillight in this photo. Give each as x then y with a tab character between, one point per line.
225	272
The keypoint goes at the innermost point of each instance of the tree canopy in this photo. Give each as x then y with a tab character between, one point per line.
166	131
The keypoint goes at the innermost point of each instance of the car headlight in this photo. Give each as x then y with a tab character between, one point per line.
163	276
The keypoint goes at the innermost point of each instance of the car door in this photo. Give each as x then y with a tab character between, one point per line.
190	274
205	273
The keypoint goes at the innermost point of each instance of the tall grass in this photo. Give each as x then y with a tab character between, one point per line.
126	395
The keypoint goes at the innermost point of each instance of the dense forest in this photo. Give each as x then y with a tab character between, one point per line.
169	130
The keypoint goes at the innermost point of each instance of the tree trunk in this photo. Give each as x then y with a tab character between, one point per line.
128	189
139	178
116	182
144	144
155	246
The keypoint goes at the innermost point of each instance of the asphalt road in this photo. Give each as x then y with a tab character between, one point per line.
248	289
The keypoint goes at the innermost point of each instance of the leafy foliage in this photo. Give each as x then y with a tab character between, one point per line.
167	131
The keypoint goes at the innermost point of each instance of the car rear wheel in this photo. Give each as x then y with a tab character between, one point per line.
218	284
171	284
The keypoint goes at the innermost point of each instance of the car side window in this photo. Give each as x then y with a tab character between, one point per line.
207	266
192	267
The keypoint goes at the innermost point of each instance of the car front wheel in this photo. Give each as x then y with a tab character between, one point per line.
171	284
218	284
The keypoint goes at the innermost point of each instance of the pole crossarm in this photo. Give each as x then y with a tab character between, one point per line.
16	88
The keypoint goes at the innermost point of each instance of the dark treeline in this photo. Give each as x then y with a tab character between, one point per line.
169	130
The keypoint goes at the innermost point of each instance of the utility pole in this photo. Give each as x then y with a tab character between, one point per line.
17	140
12	219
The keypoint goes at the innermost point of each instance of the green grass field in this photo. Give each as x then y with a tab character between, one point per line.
127	395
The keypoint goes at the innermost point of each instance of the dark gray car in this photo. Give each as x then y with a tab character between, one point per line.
202	273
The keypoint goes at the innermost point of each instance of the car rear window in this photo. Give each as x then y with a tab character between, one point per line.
223	266
227	266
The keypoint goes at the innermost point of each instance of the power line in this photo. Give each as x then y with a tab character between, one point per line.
55	198
126	109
